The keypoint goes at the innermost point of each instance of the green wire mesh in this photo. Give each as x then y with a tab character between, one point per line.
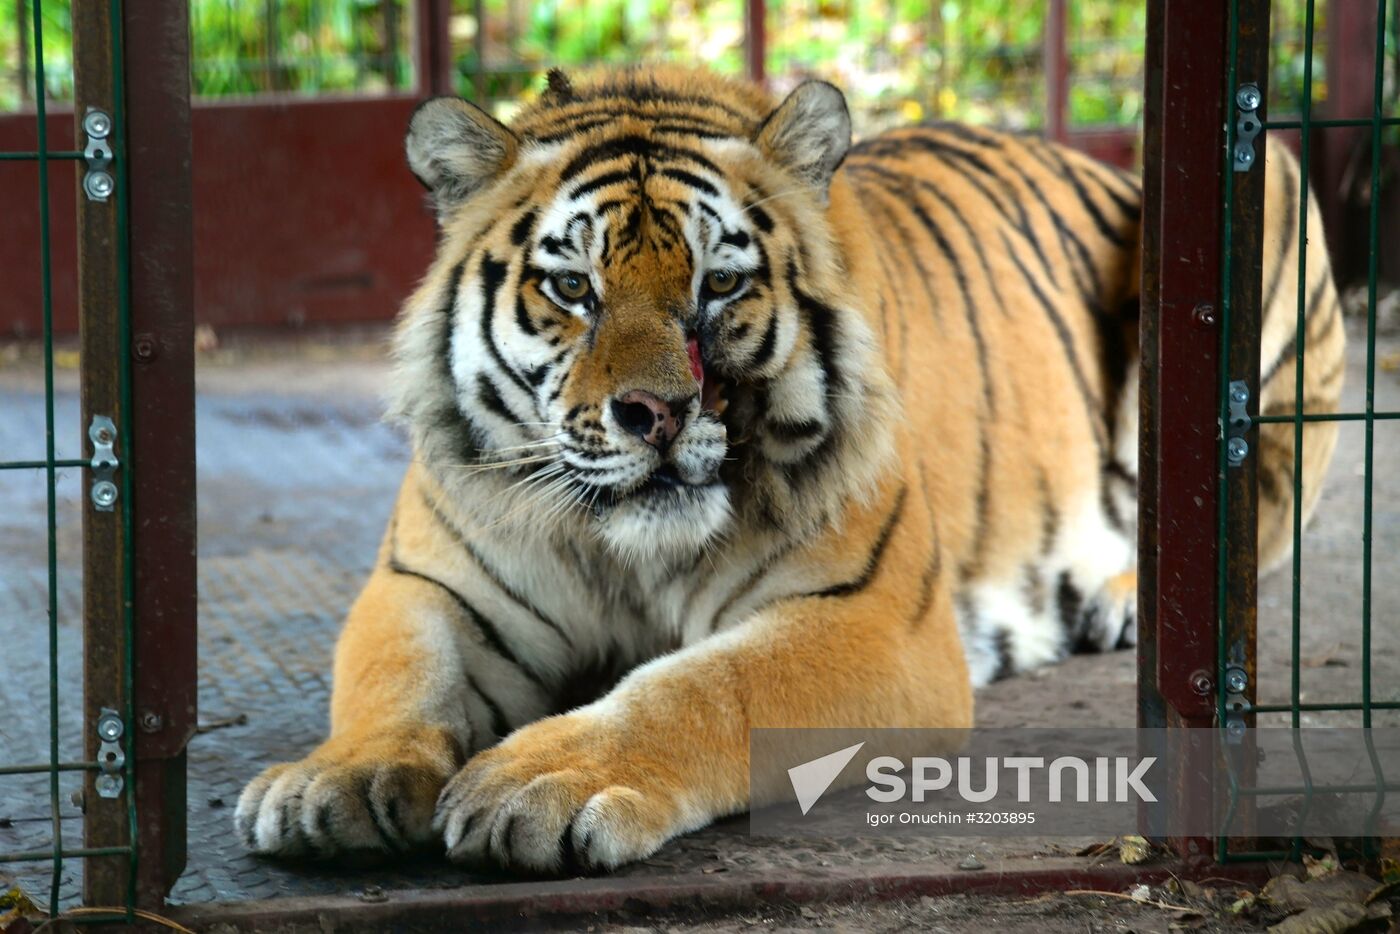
57	852
1388	29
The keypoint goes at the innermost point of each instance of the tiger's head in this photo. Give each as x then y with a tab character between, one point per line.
640	317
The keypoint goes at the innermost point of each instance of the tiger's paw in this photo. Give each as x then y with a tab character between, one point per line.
566	795
352	800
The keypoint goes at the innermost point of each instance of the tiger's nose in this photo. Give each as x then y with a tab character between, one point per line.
654	420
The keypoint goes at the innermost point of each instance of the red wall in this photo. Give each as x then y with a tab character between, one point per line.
304	212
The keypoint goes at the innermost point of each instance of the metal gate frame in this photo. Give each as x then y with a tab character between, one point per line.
132	174
1207	82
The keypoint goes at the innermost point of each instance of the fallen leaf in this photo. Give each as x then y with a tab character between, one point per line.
1331	919
1292	894
1243	905
1133	850
1318	868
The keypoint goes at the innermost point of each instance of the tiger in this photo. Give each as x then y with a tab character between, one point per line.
722	421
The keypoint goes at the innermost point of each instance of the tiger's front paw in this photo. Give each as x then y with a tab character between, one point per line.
353	799
565	795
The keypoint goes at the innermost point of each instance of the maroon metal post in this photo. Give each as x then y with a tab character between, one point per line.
1181	297
1057	70
756	40
433	47
161	231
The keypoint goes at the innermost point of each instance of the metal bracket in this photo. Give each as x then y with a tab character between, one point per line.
1236	447
110	756
103	434
1247	125
98	183
1236	703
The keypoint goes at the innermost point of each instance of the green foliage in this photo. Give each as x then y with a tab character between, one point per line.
898	60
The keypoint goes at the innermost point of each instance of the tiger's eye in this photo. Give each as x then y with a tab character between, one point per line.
722	281
572	286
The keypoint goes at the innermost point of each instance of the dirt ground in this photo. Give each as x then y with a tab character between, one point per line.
296	478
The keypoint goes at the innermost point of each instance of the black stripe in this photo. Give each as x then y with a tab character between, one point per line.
488	629
793	432
1070	603
1091	405
934	566
521	229
691	179
1289	351
632	145
766	346
877	552
736	239
1062	170
449	418
487	570
500	726
490	399
601	181
972	565
493	275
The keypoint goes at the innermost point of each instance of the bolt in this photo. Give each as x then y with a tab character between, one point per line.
144	347
1236	680
1239	394
372	894
1244	155
108	786
1235	728
1204	316
1248	97
110	729
1238	449
151	721
97	124
104	496
104	436
98	185
1200	682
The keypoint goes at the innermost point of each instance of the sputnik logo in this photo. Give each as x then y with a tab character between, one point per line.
810	780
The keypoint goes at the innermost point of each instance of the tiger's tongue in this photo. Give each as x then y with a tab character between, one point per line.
709	391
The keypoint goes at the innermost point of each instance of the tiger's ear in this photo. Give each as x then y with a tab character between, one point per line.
809	133
455	147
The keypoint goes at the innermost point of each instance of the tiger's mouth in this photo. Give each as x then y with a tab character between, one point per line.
712	398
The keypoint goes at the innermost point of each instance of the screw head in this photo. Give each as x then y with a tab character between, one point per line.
1235	728
1239	394
104	496
98	185
1244	156
1236	680
1200	682
1204	315
373	894
144	347
110	729
1238	449
151	722
108	786
97	124
1248	97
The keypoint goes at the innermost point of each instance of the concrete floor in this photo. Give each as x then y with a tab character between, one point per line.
296	478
